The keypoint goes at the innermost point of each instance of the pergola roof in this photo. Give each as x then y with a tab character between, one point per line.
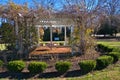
55	22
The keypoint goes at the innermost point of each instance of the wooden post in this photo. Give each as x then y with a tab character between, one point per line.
38	32
65	36
16	32
72	37
51	37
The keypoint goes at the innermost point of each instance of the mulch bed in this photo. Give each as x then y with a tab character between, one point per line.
50	72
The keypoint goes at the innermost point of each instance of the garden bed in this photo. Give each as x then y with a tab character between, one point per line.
51	72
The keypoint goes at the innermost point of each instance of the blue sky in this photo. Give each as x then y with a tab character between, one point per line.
30	3
16	1
57	4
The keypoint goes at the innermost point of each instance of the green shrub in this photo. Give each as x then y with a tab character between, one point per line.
116	49
104	48
104	61
87	65
1	63
16	66
100	46
109	49
115	55
11	47
62	66
36	67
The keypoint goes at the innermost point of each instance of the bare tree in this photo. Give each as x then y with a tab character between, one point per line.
112	12
87	15
24	20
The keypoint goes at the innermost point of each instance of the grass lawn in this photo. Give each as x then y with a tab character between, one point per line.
110	73
2	47
110	43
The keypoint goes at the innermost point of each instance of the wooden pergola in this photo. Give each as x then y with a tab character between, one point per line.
55	22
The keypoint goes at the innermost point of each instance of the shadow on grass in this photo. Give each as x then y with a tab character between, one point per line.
27	75
9	75
4	74
75	73
50	75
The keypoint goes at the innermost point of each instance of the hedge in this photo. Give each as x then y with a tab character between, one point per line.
62	66
115	55
87	65
104	48
104	61
16	66
37	67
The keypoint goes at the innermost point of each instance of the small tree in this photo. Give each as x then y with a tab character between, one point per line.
23	20
7	33
105	29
